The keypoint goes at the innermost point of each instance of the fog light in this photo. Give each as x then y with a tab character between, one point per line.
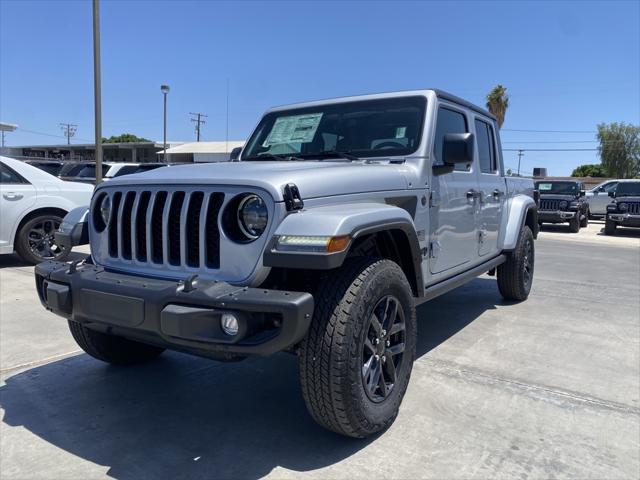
229	324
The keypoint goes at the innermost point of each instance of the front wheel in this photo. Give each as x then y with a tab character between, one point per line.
35	241
110	348
585	221
515	276
574	223
356	359
609	227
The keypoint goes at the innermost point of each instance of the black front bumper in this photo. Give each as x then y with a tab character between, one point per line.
174	315
624	219
556	216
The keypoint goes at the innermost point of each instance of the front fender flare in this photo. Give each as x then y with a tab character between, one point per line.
518	208
355	220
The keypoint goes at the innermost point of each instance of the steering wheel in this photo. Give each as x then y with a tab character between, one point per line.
386	145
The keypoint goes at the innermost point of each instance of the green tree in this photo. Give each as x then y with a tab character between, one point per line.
620	149
124	138
498	102
590	170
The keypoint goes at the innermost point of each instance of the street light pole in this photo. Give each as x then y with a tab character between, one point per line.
520	154
165	89
97	95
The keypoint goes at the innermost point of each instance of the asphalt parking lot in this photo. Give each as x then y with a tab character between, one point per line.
549	388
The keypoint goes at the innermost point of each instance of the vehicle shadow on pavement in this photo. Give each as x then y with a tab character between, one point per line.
622	232
186	417
13	260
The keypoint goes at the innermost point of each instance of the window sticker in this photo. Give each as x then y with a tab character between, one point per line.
401	132
544	186
296	128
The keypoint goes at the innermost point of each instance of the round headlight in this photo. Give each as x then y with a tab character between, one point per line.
564	204
105	209
252	216
623	206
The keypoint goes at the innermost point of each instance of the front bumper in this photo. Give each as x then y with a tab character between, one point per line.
556	216
182	316
625	219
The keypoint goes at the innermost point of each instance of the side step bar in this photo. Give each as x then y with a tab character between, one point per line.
433	291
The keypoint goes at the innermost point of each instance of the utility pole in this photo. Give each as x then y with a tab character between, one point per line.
69	130
97	90
199	119
520	154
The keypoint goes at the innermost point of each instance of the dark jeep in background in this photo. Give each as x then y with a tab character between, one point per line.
563	202
624	210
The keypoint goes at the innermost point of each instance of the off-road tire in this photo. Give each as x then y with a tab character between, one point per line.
21	241
574	224
331	354
585	221
110	348
609	227
512	278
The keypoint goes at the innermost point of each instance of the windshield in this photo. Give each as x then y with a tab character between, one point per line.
89	171
560	188
369	128
128	170
628	189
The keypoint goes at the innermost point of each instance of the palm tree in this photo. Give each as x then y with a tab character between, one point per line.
498	102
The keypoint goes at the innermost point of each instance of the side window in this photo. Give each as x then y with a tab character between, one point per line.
611	187
486	147
8	176
449	121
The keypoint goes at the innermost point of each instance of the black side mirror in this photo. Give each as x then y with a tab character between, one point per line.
612	194
234	156
582	193
457	148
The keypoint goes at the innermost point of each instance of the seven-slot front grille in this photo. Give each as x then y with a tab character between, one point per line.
165	227
546	204
634	208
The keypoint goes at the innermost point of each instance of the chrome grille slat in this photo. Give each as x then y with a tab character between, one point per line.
171	228
134	226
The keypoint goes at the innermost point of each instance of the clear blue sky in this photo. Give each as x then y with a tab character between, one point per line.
567	66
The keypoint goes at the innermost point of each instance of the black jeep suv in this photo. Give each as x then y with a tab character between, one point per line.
624	210
563	201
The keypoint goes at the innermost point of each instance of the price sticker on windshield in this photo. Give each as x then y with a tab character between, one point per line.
293	129
544	186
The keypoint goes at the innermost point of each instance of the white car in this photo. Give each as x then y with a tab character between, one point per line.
598	198
32	206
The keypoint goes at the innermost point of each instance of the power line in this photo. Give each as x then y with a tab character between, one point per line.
198	121
69	130
550	150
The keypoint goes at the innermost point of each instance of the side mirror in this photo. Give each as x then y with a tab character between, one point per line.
583	193
235	154
612	194
457	148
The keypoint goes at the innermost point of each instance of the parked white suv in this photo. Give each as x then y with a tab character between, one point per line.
32	206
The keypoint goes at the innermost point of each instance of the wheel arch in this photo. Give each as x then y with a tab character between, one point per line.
34	213
522	211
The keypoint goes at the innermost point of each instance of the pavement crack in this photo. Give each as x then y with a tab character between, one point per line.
539	392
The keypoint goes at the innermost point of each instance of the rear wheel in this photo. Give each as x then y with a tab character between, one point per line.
609	227
35	241
110	348
356	359
515	276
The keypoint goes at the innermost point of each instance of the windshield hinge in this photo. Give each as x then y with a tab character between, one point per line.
292	199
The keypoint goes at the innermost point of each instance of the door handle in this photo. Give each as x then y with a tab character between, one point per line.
12	196
473	194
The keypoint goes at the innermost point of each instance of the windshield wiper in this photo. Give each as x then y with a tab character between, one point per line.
331	153
271	156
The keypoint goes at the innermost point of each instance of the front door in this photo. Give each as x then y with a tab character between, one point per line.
453	212
491	186
16	196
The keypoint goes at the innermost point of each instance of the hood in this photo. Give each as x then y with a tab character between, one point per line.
313	178
630	198
555	196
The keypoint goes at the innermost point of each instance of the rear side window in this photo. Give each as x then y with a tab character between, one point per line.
8	176
486	147
449	121
128	170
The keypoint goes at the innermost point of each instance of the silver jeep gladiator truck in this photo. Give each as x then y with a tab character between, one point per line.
336	220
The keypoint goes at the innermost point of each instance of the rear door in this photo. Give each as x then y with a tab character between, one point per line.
453	205
17	195
600	198
491	186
